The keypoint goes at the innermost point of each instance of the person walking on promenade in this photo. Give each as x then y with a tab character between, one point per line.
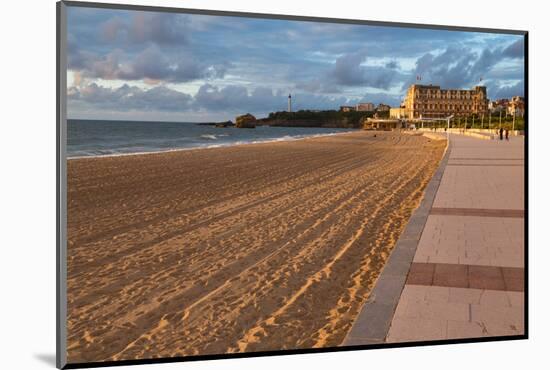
500	132
507	135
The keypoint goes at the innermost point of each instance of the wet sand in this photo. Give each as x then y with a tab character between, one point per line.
247	248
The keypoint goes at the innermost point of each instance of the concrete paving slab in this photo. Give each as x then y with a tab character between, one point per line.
466	278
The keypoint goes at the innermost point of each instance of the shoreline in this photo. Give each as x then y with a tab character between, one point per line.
214	146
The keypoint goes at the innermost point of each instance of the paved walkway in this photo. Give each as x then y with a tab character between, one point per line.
466	277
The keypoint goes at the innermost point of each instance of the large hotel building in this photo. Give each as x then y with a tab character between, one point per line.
430	101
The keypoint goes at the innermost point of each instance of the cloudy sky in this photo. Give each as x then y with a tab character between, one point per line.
179	67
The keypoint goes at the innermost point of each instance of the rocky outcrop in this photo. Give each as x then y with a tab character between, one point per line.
307	118
224	124
335	123
245	121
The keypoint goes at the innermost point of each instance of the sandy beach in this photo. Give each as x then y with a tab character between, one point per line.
246	248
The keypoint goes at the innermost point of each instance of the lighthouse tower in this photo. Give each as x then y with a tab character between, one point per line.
289	103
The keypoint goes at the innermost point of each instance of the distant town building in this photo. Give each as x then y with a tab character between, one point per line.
347	108
365	107
432	101
383	108
398	113
499	105
516	106
376	123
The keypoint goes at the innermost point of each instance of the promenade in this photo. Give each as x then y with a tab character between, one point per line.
457	270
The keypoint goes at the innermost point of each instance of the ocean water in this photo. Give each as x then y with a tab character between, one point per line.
98	138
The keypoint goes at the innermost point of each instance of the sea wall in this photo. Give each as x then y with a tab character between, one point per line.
338	123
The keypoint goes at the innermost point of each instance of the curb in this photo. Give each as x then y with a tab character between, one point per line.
373	321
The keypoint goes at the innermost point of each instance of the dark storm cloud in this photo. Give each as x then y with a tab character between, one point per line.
461	67
318	86
378	98
233	99
150	64
349	71
504	73
213	98
305	101
506	91
486	61
127	98
252	64
310	86
260	99
153	64
515	50
144	27
135	46
379	41
392	65
452	68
